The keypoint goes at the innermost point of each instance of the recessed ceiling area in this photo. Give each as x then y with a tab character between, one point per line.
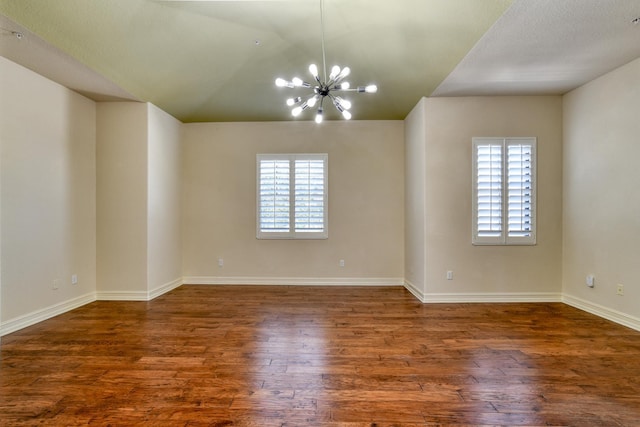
215	60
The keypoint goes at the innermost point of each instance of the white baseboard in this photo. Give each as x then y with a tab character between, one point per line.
139	295
122	296
428	298
414	290
293	281
492	297
34	317
601	311
163	289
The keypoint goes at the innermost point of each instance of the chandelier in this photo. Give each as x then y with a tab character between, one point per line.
323	87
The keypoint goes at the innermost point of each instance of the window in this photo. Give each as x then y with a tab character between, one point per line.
504	191
292	196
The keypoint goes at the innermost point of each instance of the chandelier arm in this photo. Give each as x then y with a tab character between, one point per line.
333	82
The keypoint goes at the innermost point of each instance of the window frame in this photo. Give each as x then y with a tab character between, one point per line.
504	238
293	233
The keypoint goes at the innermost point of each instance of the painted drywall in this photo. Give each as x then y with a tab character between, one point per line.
164	237
602	200
366	202
121	155
48	194
488	272
415	216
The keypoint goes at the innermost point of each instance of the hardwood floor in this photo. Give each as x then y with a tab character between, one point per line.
319	356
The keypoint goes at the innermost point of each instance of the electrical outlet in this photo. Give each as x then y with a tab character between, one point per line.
56	284
449	275
590	281
341	263
74	279
620	289
220	262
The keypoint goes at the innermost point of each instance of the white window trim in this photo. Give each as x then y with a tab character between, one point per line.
504	238
292	234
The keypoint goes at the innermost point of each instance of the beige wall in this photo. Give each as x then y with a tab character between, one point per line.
415	216
122	199
602	198
138	180
366	191
164	237
48	195
489	272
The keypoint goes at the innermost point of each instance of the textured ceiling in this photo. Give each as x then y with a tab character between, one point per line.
214	60
548	47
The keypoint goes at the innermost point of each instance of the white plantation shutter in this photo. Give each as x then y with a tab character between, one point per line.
292	196
520	190
489	190
274	195
309	195
504	191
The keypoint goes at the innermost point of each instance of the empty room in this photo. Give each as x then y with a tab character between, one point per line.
319	212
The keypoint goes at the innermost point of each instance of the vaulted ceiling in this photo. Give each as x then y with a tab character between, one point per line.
216	60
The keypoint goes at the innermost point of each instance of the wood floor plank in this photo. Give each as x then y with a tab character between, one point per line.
319	356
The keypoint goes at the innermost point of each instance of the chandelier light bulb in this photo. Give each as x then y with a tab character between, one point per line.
334	72
298	82
344	73
281	82
343	103
346	115
311	102
319	116
296	111
313	69
292	101
368	89
343	86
